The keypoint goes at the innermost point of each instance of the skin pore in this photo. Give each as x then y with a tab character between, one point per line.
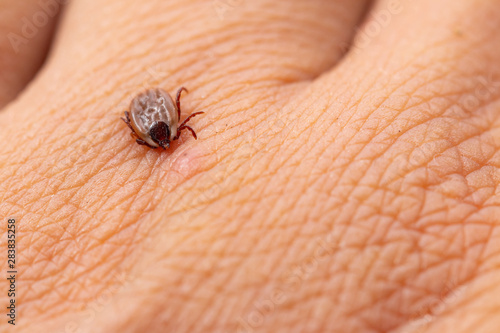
345	177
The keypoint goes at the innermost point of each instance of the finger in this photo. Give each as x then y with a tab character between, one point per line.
435	61
94	66
26	29
422	109
462	36
251	43
260	45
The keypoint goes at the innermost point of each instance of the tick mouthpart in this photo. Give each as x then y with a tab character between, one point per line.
163	143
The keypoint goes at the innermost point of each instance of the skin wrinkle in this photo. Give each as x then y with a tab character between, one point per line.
234	170
82	274
292	169
414	63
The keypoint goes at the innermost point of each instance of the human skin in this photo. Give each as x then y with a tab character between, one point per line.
20	59
331	189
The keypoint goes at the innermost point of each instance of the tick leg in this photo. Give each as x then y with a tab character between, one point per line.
127	121
178	102
185	127
190	116
133	134
144	143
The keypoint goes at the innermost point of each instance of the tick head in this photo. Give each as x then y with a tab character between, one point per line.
160	133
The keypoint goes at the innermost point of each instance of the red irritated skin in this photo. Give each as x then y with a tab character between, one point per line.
345	177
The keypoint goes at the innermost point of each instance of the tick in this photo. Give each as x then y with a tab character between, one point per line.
154	118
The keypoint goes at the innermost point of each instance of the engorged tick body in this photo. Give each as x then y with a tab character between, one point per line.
154	118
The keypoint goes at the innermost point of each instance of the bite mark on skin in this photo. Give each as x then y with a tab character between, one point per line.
186	164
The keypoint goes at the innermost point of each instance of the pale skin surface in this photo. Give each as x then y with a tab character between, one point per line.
327	192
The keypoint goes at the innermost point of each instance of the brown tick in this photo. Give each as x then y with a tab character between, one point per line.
154	118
